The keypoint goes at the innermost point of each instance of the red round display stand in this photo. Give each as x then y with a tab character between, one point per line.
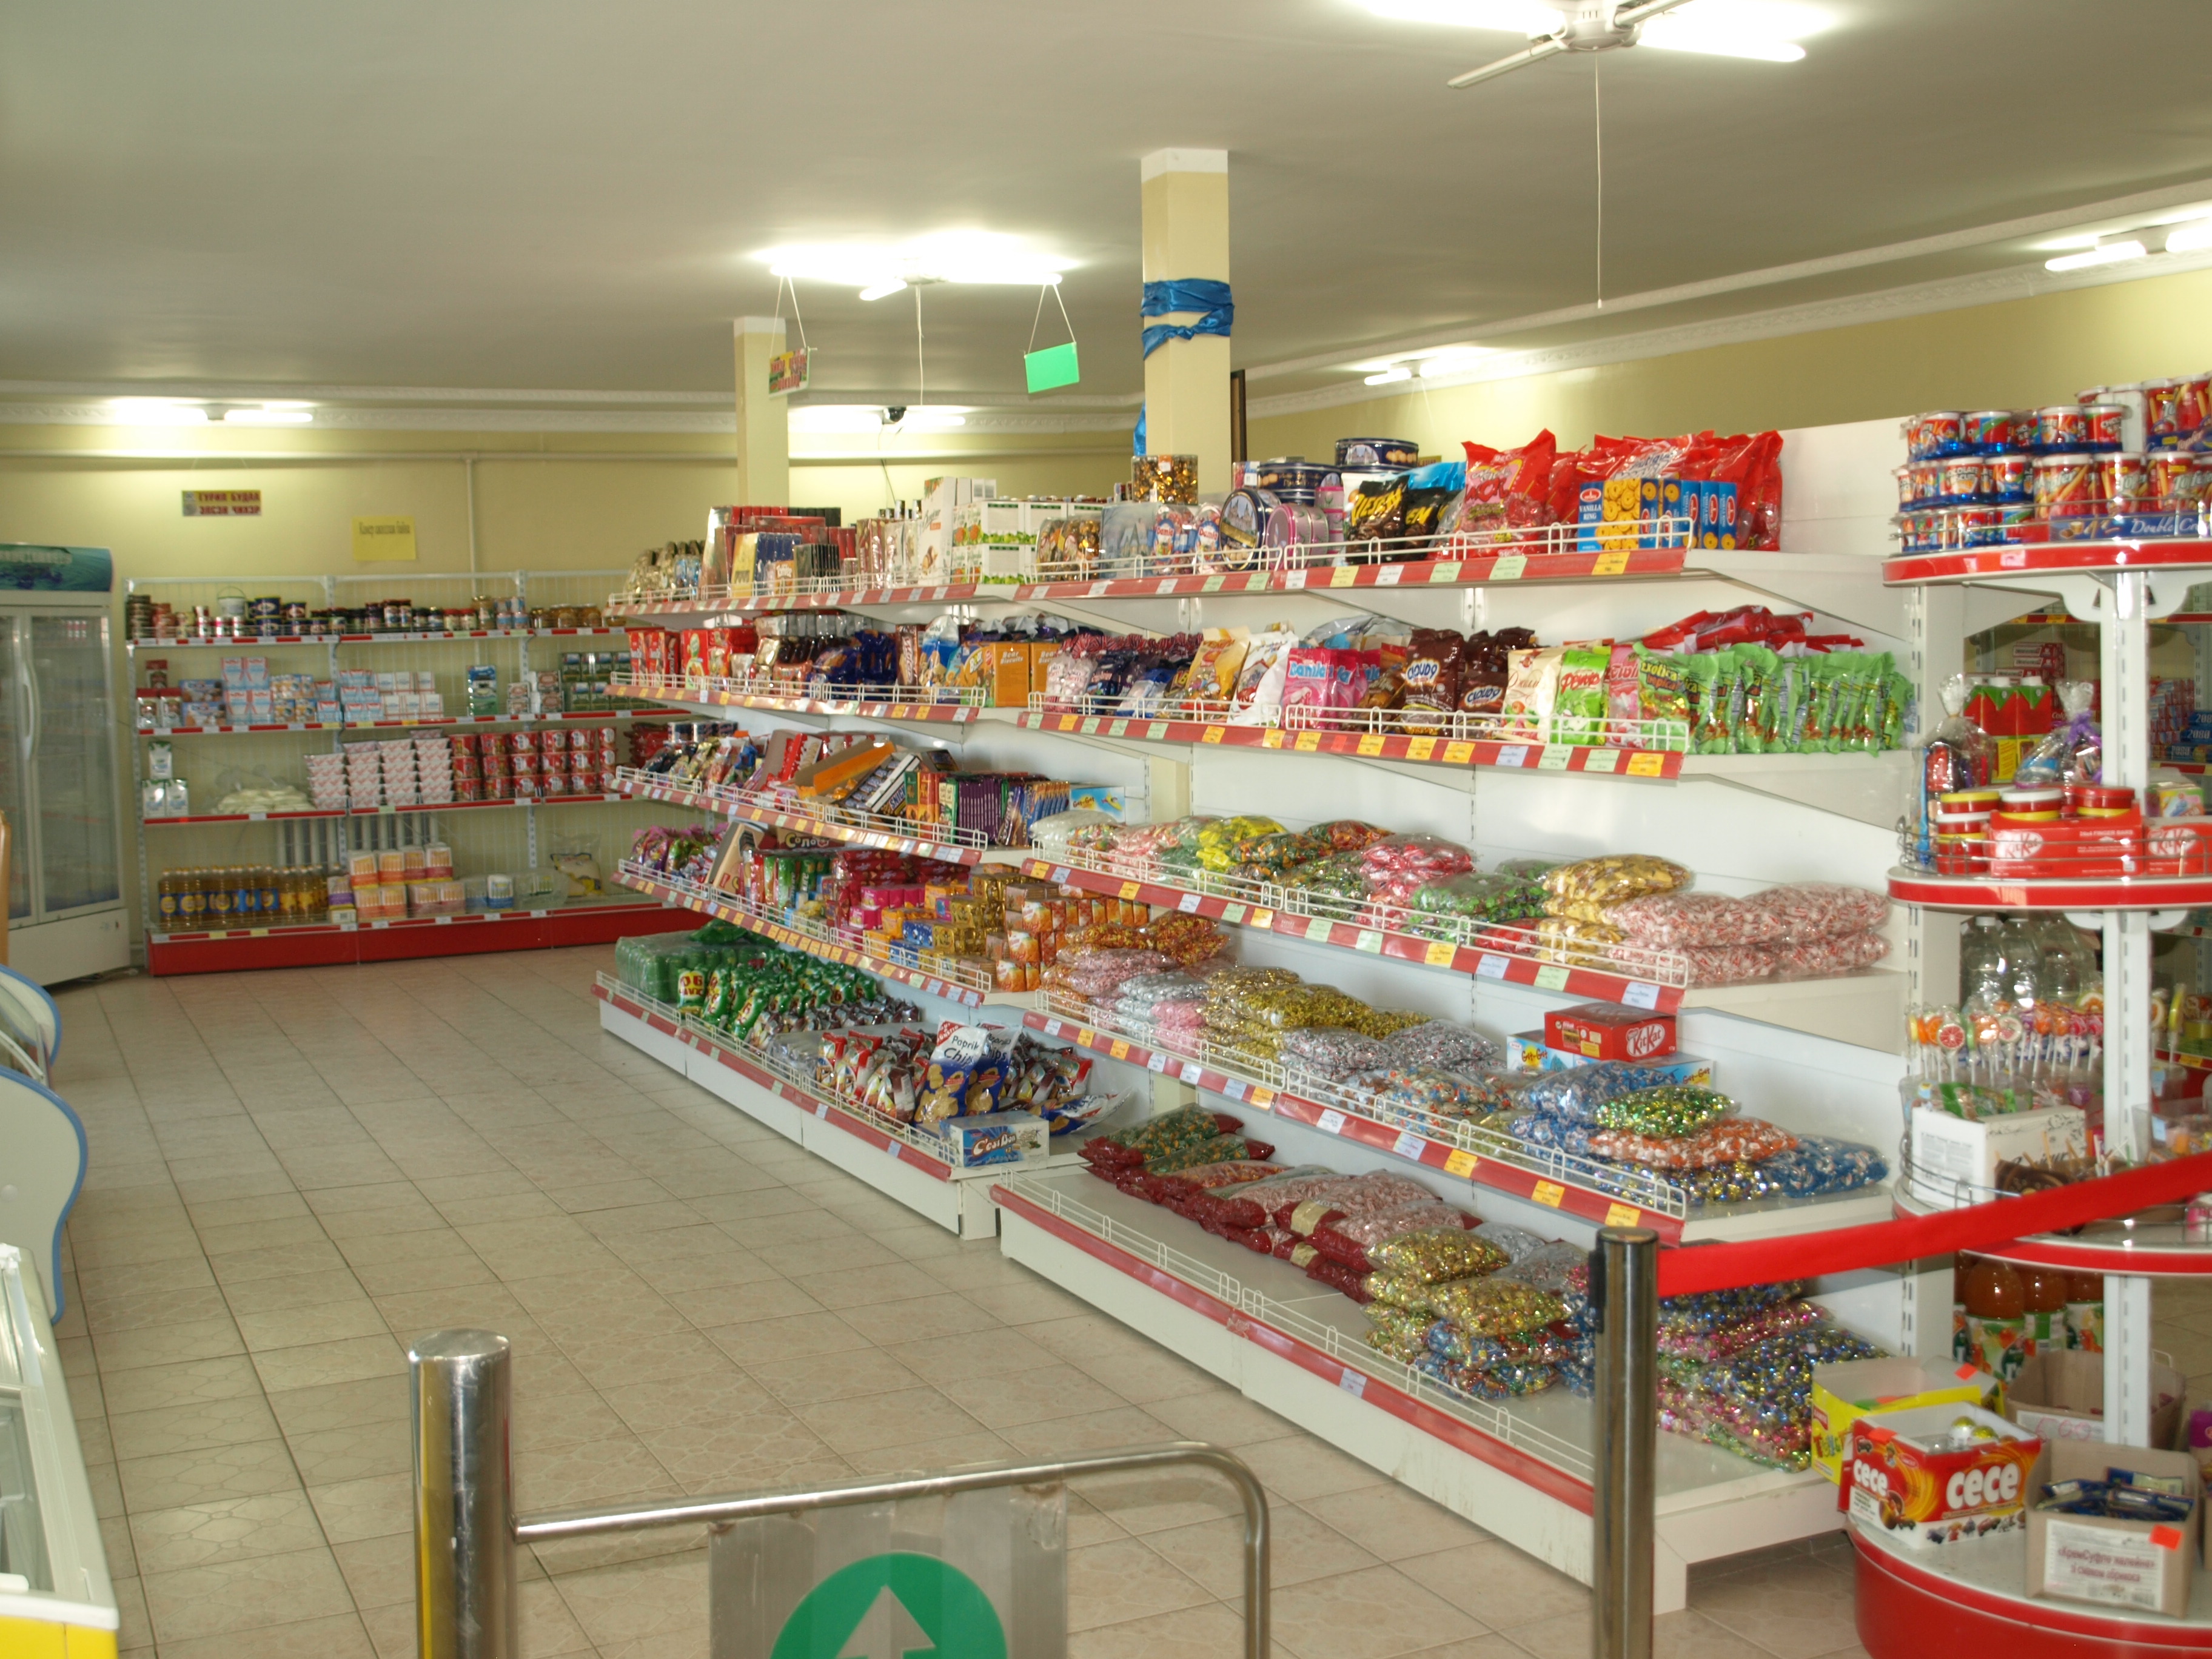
1909	1612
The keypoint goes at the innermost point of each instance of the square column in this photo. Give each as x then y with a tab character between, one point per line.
764	422
1186	236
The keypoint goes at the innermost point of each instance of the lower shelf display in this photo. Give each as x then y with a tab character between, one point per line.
332	944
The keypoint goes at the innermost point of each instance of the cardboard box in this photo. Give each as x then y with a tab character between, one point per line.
1955	1161
1608	1030
1844	1392
1908	1480
1529	1052
1011	664
2060	1395
2135	1565
995	1137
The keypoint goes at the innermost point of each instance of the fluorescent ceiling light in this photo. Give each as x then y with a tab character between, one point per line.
2187	238
1766	29
1452	360
1391	375
875	418
270	414
156	411
2106	253
882	268
933	418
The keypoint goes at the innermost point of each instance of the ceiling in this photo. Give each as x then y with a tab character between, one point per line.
566	195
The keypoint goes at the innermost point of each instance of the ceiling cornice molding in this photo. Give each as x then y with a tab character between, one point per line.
1913	300
89	412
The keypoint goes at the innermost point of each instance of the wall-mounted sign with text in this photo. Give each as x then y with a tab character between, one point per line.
385	541
222	503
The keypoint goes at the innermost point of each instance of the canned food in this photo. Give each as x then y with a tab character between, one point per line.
2010	476
2061	426
2107	425
1908	484
2167	470
2161	401
2124	481
1936	433
296	611
2065	485
1969	526
1960	478
1991	431
1927	481
2192	407
2014	519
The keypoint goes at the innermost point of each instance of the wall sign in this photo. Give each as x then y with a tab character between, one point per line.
385	540
222	503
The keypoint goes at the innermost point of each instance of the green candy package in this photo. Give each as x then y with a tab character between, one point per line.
1578	695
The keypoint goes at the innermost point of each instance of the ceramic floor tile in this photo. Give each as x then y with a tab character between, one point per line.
1300	1549
322	1323
1495	1582
236	1596
225	1530
166	1344
342	1405
330	1456
345	1361
1372	1614
177	1479
1389	1520
1792	1606
375	1507
151	1387
192	1427
765	1340
1108	1583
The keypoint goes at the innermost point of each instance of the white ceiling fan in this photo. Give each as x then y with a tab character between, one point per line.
1591	25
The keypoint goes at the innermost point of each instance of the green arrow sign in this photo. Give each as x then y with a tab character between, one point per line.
899	1605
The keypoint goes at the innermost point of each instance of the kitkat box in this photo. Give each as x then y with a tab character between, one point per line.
1608	1030
1916	1479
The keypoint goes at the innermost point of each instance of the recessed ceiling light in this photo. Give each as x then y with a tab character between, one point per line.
1768	29
880	268
156	411
2104	253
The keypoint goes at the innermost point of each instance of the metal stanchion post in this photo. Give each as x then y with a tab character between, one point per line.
1623	1295
464	1508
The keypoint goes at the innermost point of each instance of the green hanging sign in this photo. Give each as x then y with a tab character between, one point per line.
1051	368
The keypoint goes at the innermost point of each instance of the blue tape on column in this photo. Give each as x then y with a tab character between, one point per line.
1200	294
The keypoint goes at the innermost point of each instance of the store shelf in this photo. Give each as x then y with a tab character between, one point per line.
815	941
386	811
1935	892
715	695
324	943
854	829
1602	1195
1522	1471
210	642
1971	1598
2154	1246
242	817
600	718
2003	566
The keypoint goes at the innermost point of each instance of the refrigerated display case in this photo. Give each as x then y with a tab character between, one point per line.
58	768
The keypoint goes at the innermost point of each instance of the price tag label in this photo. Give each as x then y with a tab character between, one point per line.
1156	731
1119	1049
1508	568
1263	1099
1550	1193
1554	757
1610	564
1294	579
1188	904
1318	928
1097	589
1421	749
1213	734
1445	572
1212	584
1060	874
1492	966
1458	754
1389	575
1641	994
1371	744
1409	1145
1647	765
1461	1162
1233	913
822	1109
1623	1215
1067	722
1440	953
1050	1028
1086	1038
1131	888
1330	1122
1157	1063
898	711
892	1147
1344	576
1513	754
1191	1073
1272	738
1307	741
1091	725
1601	760
442	921
1261	918
1120	728
1552	977
1369	940
1234	1088
258	817
1353	1383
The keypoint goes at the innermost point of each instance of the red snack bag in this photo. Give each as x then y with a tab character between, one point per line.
1508	490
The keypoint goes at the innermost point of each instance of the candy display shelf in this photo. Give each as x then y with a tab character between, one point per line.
1971	1597
2004	566
969	990
589	717
386	811
899	1161
243	643
1523	1470
2156	1245
1599	1194
310	944
943	841
1940	892
906	703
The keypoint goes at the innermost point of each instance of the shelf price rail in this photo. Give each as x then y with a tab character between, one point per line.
322	944
959	704
967	989
1576	1186
946	842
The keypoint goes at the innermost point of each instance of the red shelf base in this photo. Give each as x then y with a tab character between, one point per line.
333	947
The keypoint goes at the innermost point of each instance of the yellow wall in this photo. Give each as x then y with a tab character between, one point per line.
2014	355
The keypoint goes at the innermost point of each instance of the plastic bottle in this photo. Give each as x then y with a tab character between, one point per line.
1996	1318
2044	1294
2085	1312
1961	1265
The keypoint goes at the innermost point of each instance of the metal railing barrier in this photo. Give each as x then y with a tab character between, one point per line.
466	1531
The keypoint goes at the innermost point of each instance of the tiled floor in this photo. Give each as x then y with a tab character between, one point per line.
292	1173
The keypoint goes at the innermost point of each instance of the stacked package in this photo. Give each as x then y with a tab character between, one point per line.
434	770
326	781
1735	1369
396	759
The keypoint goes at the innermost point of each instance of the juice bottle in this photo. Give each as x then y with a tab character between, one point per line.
2085	1312
1996	1318
2044	1297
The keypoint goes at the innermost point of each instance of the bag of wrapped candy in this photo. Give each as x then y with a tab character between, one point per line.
1184	939
1397	1332
1495	1307
1433	1255
1401	865
1612	878
1817	958
1471	897
1217	842
1669	1110
1703	1312
1577	1092
1729	1140
1801	910
1186	1125
1673	921
1095	973
1331	1052
1813	1168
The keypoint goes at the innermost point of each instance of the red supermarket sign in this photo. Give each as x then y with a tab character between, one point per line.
222	503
